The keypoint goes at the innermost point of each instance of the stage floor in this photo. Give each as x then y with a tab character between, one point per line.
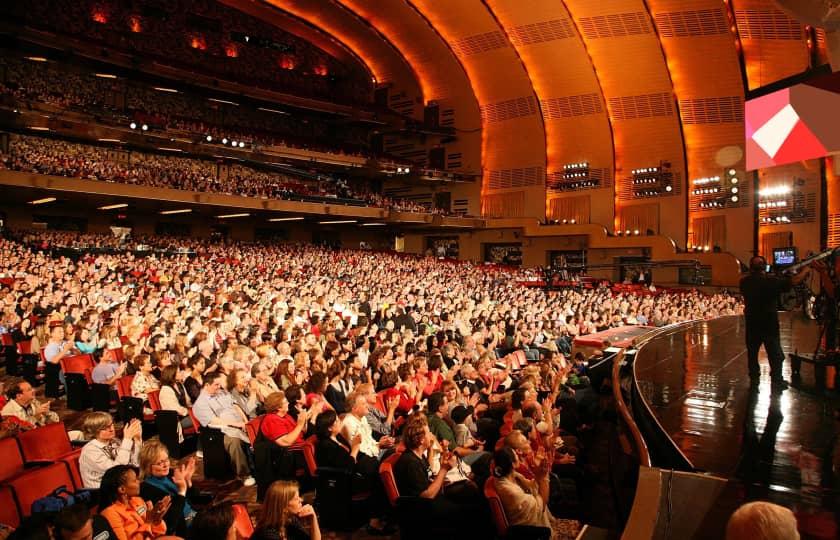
780	447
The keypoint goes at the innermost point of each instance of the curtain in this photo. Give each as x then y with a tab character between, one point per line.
709	231
501	205
769	241
569	208
639	217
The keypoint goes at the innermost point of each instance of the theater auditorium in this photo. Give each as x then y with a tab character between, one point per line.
419	269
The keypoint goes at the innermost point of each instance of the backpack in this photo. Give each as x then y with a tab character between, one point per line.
60	499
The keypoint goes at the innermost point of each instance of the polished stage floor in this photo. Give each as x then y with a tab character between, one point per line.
781	447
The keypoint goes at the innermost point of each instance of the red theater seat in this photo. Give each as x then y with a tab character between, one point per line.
242	521
48	444
386	473
37	483
496	508
8	508
77	364
124	386
11	460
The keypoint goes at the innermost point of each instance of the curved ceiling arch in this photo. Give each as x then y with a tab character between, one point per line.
571	101
386	63
441	75
513	136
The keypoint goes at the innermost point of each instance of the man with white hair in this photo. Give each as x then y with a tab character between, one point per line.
762	521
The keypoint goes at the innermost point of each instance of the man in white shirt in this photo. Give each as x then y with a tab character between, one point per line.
23	405
355	423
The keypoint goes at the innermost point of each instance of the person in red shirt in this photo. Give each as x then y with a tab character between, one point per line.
279	426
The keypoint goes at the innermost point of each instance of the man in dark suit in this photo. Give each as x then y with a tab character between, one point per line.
761	296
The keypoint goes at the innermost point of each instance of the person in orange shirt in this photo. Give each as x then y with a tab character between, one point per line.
130	516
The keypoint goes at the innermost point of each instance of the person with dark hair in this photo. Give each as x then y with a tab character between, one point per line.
23	405
75	523
130	517
524	500
761	296
173	396
215	522
335	451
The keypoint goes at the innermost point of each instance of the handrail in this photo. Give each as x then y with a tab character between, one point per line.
641	445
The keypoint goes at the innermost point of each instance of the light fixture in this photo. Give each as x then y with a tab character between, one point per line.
627	232
340	222
399	170
573	221
43	201
109	140
104	75
734	180
39	128
36	58
144	127
224	140
133	125
113	206
241	144
225	216
223	101
668	188
162	89
407	170
168	149
732	172
373	224
734	198
208	138
734	190
286	219
170	212
636	232
275	111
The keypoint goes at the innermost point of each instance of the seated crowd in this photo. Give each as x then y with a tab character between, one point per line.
207	38
31	84
383	361
61	158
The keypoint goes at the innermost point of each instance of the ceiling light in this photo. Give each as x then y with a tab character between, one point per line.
36	58
113	206
732	172
224	140
223	101
39	128
275	111
43	201
734	198
241	144
233	143
133	125
162	89
104	75
734	190
225	216
109	140
208	138
144	127
340	222
286	219
181	211
168	149
373	224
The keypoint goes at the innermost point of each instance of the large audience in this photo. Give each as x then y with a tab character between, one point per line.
381	356
78	89
206	37
62	158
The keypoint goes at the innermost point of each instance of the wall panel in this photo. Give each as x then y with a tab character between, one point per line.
513	133
571	102
703	61
621	39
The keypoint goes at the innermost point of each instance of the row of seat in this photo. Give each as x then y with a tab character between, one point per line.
34	464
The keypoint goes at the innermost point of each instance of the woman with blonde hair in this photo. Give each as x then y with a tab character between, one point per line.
160	480
285	517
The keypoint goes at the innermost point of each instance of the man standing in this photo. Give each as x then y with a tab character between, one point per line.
761	296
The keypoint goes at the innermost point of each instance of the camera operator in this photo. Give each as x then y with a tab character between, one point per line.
761	296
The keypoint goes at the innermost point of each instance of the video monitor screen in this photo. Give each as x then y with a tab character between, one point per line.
784	256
